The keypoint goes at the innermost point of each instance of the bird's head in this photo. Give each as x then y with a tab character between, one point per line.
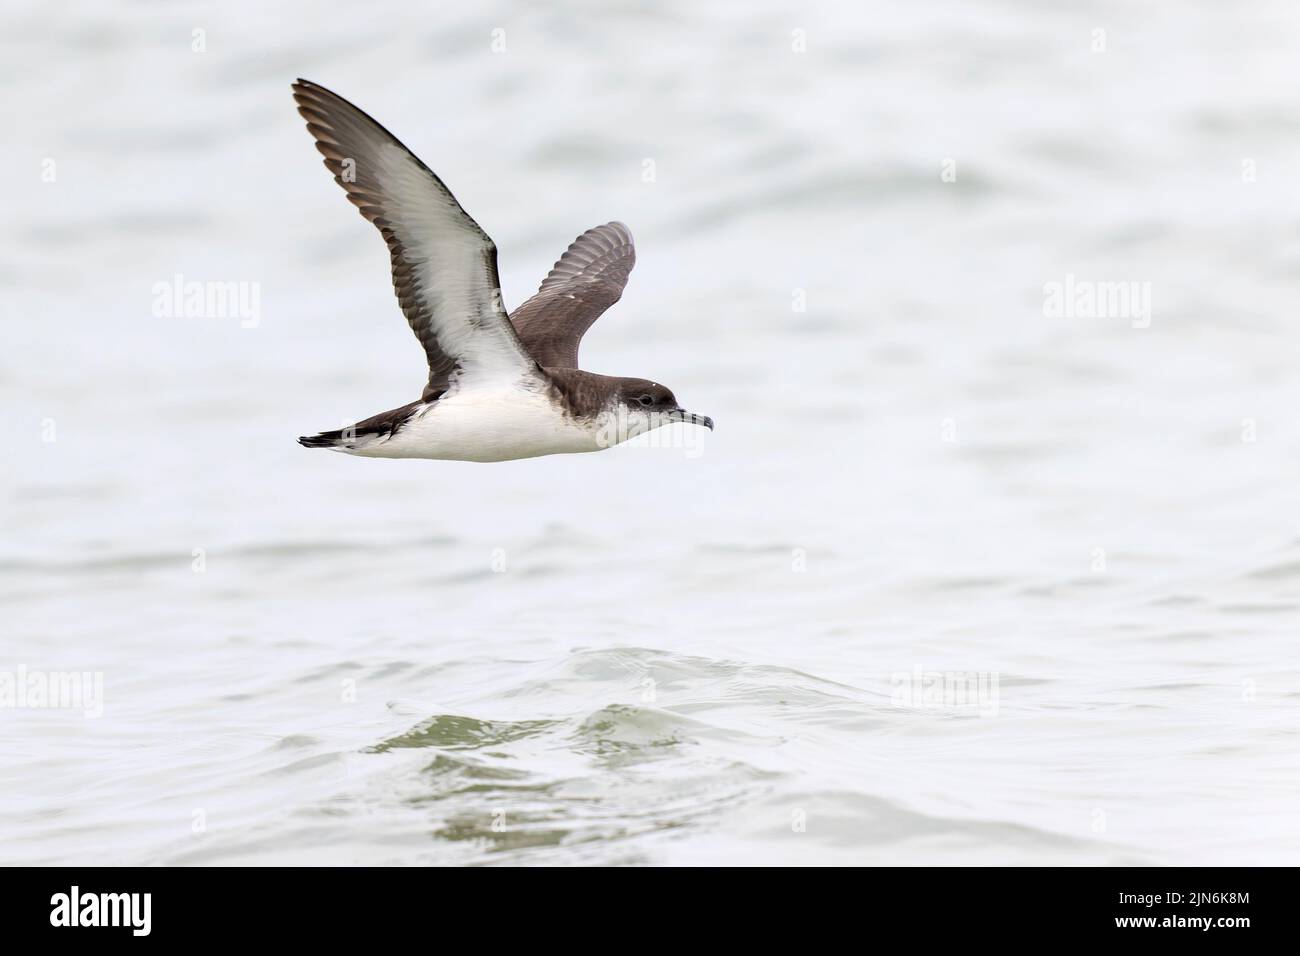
644	405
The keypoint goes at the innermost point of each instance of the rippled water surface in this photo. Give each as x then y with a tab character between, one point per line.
690	650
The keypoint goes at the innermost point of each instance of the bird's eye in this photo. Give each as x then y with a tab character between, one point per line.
646	400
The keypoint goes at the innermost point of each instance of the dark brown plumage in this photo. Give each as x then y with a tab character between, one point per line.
587	280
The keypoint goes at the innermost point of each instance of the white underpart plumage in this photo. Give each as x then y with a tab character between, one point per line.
501	422
493	421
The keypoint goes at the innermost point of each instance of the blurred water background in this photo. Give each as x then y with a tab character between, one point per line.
684	651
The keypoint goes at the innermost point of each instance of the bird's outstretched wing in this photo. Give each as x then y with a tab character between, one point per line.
444	265
587	280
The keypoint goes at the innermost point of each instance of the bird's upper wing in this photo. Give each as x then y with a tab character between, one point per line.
444	265
587	280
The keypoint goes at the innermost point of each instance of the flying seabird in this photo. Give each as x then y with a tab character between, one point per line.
500	386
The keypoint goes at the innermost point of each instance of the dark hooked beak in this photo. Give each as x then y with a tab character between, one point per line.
690	418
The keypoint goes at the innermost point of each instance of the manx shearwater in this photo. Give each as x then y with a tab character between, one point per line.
500	386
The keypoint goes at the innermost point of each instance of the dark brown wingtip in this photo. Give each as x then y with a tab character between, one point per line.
308	94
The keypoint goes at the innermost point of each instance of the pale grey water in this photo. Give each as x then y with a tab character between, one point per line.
662	654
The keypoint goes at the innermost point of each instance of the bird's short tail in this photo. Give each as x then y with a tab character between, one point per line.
354	439
334	439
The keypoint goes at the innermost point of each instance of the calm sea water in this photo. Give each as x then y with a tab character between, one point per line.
970	572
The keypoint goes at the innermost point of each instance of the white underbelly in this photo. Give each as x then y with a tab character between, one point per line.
486	426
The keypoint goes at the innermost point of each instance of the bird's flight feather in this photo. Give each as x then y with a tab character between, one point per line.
586	281
444	265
